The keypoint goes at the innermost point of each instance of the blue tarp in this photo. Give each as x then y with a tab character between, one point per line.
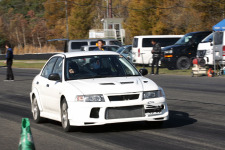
219	26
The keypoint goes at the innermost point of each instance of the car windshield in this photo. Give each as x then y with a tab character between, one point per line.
185	39
99	66
209	38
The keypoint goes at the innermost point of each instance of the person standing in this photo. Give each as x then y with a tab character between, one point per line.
156	52
9	62
99	45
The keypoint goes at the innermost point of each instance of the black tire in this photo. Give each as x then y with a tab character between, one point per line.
155	124
64	117
36	111
183	63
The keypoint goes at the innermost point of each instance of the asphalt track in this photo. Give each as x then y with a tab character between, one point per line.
197	109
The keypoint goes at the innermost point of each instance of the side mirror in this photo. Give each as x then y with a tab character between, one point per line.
211	44
54	77
143	71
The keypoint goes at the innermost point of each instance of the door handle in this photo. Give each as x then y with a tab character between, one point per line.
37	82
47	85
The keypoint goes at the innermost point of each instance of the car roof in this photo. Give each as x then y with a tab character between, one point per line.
158	36
102	46
92	40
110	45
126	45
89	46
200	32
86	53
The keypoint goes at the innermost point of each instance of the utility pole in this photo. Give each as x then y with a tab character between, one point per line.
67	26
110	9
107	11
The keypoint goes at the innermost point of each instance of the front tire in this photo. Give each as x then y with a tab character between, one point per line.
64	117
183	63
36	111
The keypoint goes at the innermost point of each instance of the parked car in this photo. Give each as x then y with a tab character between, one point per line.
181	54
205	49
95	88
142	46
75	45
126	51
105	47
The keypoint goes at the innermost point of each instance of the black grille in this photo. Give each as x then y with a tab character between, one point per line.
151	109
123	97
124	112
201	53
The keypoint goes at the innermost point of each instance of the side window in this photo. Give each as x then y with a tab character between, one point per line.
94	42
58	67
135	42
146	42
129	49
48	67
77	45
218	38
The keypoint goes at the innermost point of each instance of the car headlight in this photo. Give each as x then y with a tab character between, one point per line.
208	52
168	52
153	94
90	98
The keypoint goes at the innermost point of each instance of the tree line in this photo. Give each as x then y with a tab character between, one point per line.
33	22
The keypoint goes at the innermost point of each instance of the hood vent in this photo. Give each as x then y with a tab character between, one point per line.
106	83
127	82
145	81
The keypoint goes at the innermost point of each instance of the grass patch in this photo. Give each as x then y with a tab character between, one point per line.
36	64
169	72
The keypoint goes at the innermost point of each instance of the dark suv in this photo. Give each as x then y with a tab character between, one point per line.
181	54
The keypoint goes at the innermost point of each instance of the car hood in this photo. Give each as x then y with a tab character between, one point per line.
172	47
205	46
114	85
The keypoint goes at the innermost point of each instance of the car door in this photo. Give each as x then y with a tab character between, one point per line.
43	81
218	45
54	88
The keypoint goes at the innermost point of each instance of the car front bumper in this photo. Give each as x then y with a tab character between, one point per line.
169	62
100	113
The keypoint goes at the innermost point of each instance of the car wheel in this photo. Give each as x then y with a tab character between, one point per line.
36	111
183	63
64	116
155	124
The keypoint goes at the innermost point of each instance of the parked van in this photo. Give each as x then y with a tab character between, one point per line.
113	48
181	54
142	46
75	45
205	49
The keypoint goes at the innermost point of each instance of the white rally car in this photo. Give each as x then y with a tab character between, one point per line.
95	88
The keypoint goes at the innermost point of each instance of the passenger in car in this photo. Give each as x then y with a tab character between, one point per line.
73	69
95	64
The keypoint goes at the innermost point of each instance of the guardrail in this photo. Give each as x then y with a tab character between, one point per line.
30	56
